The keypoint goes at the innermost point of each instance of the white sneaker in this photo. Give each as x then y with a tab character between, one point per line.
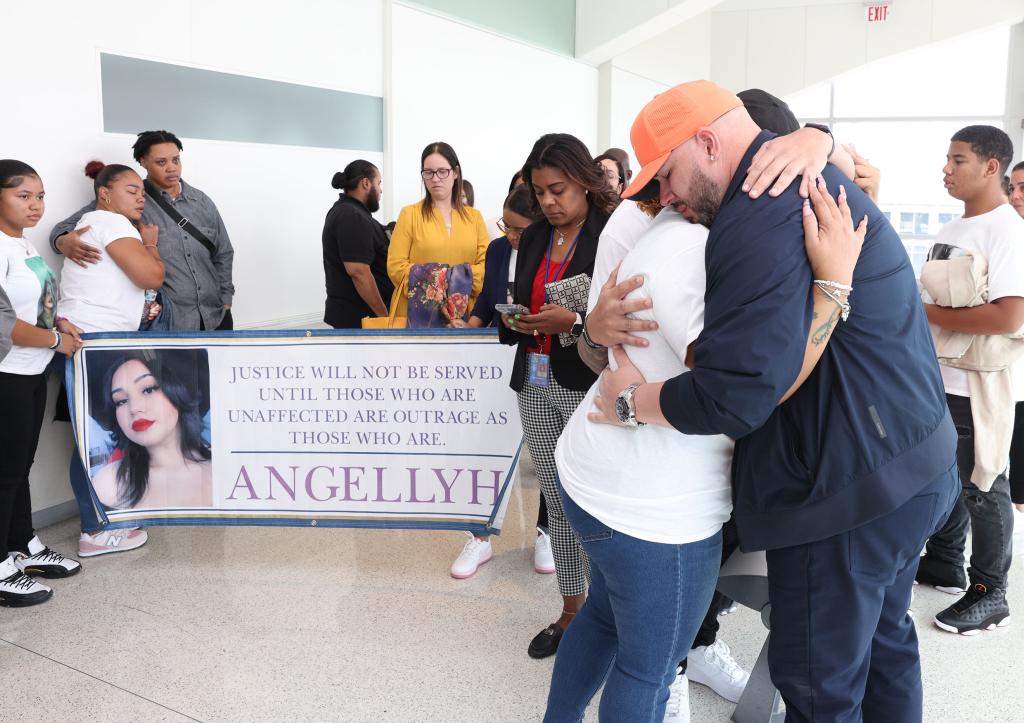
714	666
473	555
543	560
106	541
678	708
43	561
18	589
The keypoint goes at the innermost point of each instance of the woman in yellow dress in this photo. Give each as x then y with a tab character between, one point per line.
440	229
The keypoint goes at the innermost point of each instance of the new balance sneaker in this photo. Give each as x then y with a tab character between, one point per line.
543	560
944	577
106	541
982	608
678	708
473	555
43	561
18	589
713	666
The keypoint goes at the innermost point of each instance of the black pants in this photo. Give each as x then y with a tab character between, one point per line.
1017	456
23	400
226	324
708	631
989	515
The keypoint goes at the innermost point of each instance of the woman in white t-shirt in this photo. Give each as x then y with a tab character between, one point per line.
648	504
109	296
31	287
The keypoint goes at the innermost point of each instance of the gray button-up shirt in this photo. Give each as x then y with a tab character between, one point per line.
197	283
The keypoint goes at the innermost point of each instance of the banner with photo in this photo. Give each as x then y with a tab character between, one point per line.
363	428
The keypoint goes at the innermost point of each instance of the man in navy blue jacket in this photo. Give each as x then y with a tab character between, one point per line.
843	481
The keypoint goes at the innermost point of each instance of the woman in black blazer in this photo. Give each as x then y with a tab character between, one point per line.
550	379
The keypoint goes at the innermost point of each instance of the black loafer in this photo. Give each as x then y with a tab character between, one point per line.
546	642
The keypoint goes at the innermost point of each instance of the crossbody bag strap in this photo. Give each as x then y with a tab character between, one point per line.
180	221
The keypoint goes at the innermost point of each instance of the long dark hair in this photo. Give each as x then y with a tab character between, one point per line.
569	155
170	367
448	153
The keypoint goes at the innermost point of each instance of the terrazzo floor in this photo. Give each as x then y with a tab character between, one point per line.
285	624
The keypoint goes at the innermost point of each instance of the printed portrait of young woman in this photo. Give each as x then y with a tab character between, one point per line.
154	403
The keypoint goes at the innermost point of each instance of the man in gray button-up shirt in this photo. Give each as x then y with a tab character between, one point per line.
197	282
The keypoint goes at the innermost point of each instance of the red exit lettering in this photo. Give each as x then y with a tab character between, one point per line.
878	13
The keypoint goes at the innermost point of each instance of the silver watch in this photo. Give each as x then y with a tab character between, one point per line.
625	408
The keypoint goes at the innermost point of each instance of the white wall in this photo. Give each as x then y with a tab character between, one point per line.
488	96
784	46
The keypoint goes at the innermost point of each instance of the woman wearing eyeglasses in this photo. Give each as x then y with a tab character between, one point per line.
440	229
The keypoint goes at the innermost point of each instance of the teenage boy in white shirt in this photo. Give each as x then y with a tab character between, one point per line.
975	164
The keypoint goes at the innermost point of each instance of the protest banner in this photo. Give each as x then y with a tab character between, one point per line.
362	428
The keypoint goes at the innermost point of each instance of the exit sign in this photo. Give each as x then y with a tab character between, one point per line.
878	13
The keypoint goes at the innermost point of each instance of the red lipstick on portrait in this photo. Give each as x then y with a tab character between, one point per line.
141	425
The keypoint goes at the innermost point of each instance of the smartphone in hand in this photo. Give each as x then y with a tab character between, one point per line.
511	309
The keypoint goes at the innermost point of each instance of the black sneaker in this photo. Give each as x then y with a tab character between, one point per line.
943	576
982	608
18	589
546	642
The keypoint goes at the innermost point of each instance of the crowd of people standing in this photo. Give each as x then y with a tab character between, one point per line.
728	350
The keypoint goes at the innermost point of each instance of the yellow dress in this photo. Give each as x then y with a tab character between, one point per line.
416	240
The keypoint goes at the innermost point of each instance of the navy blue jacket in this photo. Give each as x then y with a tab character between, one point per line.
867	430
495	289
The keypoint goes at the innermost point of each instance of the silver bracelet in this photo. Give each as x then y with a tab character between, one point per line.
837	297
56	339
833	284
590	342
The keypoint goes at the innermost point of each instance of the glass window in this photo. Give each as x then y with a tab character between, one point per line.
906	222
945	218
921	223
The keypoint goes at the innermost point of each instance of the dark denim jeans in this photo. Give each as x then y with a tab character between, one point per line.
645	603
989	515
82	487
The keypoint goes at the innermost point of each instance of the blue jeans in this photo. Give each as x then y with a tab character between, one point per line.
82	487
645	604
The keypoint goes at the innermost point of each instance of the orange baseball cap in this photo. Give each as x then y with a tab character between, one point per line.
671	119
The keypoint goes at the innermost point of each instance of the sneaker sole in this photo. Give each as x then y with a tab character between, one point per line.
52	573
22	601
707	684
468	575
543	570
950	590
972	631
109	550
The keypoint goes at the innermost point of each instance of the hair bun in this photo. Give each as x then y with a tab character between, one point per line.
93	168
339	180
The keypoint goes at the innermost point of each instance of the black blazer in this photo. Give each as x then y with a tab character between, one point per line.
566	366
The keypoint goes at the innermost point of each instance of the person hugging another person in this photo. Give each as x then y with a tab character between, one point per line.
195	246
438	247
109	295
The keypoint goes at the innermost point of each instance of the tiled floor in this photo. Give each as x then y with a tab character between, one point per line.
226	624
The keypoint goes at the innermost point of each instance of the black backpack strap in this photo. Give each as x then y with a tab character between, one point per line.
180	221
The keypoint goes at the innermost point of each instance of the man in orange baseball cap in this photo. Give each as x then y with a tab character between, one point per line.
840	479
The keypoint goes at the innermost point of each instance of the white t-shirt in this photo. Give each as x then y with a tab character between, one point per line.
32	289
101	297
998	236
624	229
653	483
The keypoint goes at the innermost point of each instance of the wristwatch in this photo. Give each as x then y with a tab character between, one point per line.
824	129
625	409
577	328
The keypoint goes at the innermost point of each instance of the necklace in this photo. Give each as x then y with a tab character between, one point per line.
561	235
24	244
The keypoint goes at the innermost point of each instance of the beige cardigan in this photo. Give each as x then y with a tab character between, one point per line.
960	283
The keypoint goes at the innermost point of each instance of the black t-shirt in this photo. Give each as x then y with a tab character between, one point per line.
352	234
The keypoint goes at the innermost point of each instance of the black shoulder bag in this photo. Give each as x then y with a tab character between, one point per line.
183	223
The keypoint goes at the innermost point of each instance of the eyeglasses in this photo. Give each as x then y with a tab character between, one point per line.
441	173
506	229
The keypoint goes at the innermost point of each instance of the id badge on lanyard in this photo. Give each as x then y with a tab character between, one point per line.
538	371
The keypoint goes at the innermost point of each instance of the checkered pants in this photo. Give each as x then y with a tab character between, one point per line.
545	411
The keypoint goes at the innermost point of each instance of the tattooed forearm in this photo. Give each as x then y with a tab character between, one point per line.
820	335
